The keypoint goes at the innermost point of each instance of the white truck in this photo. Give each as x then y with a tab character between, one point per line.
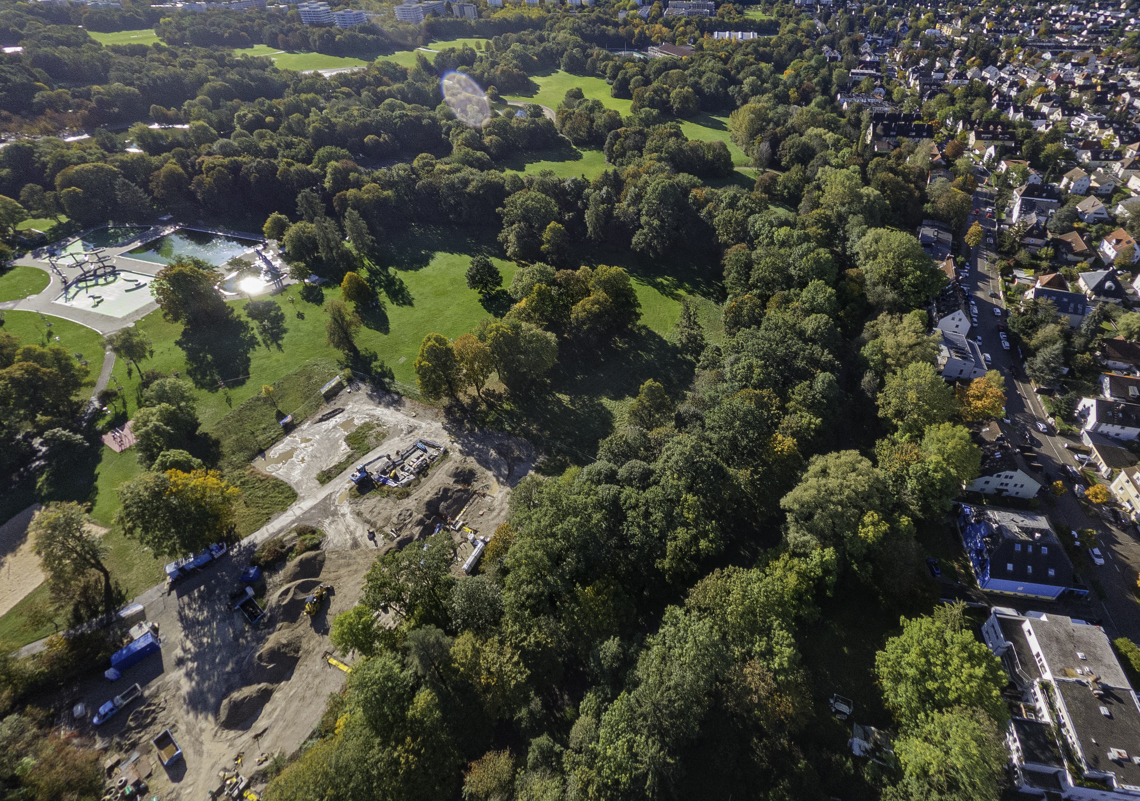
115	704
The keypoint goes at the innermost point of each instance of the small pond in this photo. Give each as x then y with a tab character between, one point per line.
214	249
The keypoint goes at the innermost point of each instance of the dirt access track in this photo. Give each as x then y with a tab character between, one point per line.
223	687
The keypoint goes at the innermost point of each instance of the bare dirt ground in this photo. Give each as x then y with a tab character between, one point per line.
20	571
223	687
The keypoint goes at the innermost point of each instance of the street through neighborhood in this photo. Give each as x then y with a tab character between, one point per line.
1118	611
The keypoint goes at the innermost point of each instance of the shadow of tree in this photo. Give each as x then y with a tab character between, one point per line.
375	317
219	352
313	293
518	160
368	362
269	319
395	289
417	246
497	303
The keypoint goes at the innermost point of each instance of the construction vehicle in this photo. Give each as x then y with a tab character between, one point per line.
336	663
313	602
841	707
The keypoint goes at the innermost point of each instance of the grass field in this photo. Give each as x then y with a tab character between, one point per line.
569	162
407	58
300	61
755	12
144	36
44	224
34	329
553	86
20	282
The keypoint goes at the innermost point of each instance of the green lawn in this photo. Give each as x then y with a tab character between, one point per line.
300	61
569	162
144	36
552	88
407	58
34	329
20	282
755	12
46	225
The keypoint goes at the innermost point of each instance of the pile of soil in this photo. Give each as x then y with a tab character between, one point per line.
243	707
276	660
289	601
306	566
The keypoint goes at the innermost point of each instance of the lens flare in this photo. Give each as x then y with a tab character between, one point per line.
464	97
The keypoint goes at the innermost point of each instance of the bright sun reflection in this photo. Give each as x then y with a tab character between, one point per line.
466	99
251	285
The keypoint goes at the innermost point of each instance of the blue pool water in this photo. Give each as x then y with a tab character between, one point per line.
214	249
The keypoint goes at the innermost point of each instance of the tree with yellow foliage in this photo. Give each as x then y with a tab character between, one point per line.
983	398
176	513
1098	493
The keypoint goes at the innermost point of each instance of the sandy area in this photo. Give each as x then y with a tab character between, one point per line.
20	571
223	686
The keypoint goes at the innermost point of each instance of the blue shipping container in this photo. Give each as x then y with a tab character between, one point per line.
141	648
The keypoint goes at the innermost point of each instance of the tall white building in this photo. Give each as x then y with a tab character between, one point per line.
349	17
416	12
315	12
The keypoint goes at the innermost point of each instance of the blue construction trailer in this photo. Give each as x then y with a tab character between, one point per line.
134	653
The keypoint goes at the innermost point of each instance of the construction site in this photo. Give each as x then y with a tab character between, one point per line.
245	665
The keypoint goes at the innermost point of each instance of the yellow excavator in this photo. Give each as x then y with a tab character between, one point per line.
313	602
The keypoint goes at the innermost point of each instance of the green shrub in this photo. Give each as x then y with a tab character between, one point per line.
269	553
1129	658
308	539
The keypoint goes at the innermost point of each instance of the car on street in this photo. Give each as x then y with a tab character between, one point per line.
1005	344
993	294
1044	429
979	339
997	311
934	568
1096	556
986	356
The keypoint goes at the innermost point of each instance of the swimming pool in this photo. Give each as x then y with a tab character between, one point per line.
214	249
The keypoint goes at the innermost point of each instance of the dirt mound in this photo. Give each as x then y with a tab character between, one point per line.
241	709
289	602
305	566
445	501
274	663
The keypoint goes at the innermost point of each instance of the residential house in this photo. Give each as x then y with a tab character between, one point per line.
1075	731
1075	181
1003	471
1103	285
886	128
1120	354
1092	210
1130	205
1115	386
1116	243
1106	455
1126	488
1031	198
1053	281
1015	553
956	322
1102	183
1073	305
936	239
1070	246
1116	419
960	358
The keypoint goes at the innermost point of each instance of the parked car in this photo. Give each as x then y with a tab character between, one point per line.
979	339
986	356
1005	344
934	568
997	311
1073	472
1096	556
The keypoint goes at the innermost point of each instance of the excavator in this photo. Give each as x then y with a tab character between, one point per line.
313	602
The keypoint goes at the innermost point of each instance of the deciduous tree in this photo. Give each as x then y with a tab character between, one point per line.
356	290
652	407
936	664
129	344
438	371
475	360
916	398
952	755
975	235
176	513
68	550
483	275
341	326
185	292
982	398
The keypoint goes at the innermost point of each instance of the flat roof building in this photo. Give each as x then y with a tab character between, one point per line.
315	12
